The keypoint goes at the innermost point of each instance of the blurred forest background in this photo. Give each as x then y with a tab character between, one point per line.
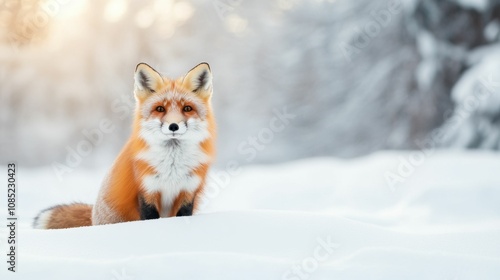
360	76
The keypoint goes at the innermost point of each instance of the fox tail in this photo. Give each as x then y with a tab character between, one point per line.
64	216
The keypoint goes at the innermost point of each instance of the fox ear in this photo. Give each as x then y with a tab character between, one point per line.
199	80
147	80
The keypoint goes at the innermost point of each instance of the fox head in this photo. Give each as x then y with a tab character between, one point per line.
173	109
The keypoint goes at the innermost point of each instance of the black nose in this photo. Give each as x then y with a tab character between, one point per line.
173	127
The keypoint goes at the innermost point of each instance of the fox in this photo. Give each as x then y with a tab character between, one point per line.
162	169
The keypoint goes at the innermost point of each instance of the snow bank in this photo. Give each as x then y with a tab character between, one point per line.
311	219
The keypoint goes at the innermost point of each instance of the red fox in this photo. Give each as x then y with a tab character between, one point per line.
162	169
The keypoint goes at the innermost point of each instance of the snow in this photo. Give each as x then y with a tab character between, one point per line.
477	98
427	69
480	5
317	218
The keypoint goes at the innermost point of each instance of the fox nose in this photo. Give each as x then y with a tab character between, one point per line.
173	127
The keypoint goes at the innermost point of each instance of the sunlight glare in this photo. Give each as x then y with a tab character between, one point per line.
115	10
183	11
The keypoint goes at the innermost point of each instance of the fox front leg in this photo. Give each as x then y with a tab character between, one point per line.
147	211
186	209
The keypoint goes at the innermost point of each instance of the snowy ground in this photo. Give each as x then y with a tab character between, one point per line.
311	219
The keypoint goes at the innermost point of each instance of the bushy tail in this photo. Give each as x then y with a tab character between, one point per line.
64	216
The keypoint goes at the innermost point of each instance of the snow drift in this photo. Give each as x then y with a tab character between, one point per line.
311	219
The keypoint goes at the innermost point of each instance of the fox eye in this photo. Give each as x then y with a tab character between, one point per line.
160	109
187	108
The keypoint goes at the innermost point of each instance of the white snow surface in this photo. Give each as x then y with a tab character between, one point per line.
320	218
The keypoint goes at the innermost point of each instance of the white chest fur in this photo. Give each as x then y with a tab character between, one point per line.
174	163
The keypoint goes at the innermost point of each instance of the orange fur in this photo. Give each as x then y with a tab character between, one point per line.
182	199
68	216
